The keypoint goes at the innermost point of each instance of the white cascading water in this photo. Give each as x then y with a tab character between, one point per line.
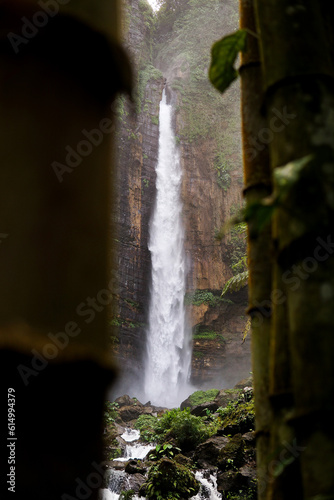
168	361
118	480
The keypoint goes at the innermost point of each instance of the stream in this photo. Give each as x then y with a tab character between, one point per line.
118	480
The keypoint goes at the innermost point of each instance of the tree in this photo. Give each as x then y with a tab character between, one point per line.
289	88
61	66
297	68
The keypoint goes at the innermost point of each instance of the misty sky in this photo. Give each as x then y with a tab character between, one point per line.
153	3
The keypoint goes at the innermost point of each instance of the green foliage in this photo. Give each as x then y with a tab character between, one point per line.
120	107
146	182
186	429
133	304
178	33
127	495
170	480
166	450
147	425
115	453
223	55
125	323
238	416
223	169
147	12
110	412
200	297
155	119
236	283
200	397
249	493
240	266
237	247
198	355
206	336
147	73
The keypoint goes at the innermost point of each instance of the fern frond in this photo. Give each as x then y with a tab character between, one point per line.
235	283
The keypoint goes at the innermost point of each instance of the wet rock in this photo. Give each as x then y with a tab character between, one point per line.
249	438
128	413
136	481
200	410
247	382
226	396
125	401
181	459
207	453
232	455
117	465
132	467
231	482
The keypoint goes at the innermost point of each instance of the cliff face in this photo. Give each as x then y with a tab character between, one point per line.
175	45
137	154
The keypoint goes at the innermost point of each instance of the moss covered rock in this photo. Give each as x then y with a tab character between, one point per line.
169	480
232	455
237	417
207	453
199	398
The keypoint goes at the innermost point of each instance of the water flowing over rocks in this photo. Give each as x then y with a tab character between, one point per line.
224	464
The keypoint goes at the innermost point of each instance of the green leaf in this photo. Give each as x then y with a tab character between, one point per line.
223	55
286	177
260	213
235	283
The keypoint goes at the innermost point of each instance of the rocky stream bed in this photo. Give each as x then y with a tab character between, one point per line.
203	450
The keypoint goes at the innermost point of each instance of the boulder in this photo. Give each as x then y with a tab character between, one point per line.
226	396
249	438
117	465
207	453
200	410
241	483
181	459
135	482
126	401
232	455
128	413
231	482
132	467
186	404
247	382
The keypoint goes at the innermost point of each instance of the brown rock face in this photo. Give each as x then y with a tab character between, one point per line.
137	155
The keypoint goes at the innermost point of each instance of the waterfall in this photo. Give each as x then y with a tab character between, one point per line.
168	361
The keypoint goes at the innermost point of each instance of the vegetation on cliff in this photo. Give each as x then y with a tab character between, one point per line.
202	114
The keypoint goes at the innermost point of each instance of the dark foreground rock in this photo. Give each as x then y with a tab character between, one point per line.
207	453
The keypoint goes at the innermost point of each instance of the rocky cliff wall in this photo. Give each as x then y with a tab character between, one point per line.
175	45
137	155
